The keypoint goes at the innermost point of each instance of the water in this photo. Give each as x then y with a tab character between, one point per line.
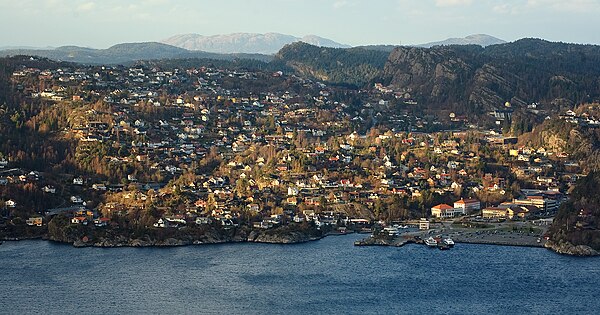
327	276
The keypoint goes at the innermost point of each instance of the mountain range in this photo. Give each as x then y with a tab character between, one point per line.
482	40
269	43
218	47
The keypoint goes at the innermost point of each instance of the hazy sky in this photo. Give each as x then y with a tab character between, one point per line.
102	23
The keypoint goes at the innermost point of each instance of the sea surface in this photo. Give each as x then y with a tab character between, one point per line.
330	276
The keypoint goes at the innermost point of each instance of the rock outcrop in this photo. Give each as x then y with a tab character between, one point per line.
83	237
566	248
468	79
280	238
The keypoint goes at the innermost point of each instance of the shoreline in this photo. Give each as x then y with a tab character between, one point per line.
482	238
515	244
399	241
289	239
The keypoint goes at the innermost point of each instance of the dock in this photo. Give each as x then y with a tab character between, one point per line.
486	237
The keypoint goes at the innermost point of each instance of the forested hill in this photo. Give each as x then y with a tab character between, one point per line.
463	77
355	66
578	221
525	71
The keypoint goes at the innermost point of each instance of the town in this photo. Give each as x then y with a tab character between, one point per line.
185	148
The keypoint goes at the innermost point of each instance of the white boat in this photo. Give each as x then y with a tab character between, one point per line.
448	242
431	242
391	231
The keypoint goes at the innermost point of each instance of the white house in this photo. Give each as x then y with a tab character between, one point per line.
49	189
160	223
76	199
293	191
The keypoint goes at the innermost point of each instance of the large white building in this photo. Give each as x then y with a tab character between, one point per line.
445	211
467	205
544	204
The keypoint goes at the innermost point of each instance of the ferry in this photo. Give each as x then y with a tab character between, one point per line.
431	242
448	242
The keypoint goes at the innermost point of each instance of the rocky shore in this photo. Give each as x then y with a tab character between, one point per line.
285	235
212	236
376	241
567	248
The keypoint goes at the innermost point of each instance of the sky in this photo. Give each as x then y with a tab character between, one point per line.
103	23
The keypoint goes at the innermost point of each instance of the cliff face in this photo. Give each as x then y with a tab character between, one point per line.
473	79
435	75
357	66
448	76
581	143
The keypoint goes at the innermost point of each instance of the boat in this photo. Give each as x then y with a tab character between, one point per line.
448	242
431	242
391	231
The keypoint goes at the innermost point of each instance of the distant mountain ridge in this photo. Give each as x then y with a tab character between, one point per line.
269	43
482	40
126	53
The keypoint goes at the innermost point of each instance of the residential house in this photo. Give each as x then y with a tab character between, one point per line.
76	199
160	223
292	201
253	207
79	220
203	220
49	189
37	221
99	187
100	222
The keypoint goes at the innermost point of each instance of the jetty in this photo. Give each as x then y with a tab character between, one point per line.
478	236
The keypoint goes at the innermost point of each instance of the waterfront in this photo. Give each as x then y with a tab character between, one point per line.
326	276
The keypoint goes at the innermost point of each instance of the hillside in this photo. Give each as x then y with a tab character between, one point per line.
126	53
269	43
576	227
522	72
580	143
355	66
